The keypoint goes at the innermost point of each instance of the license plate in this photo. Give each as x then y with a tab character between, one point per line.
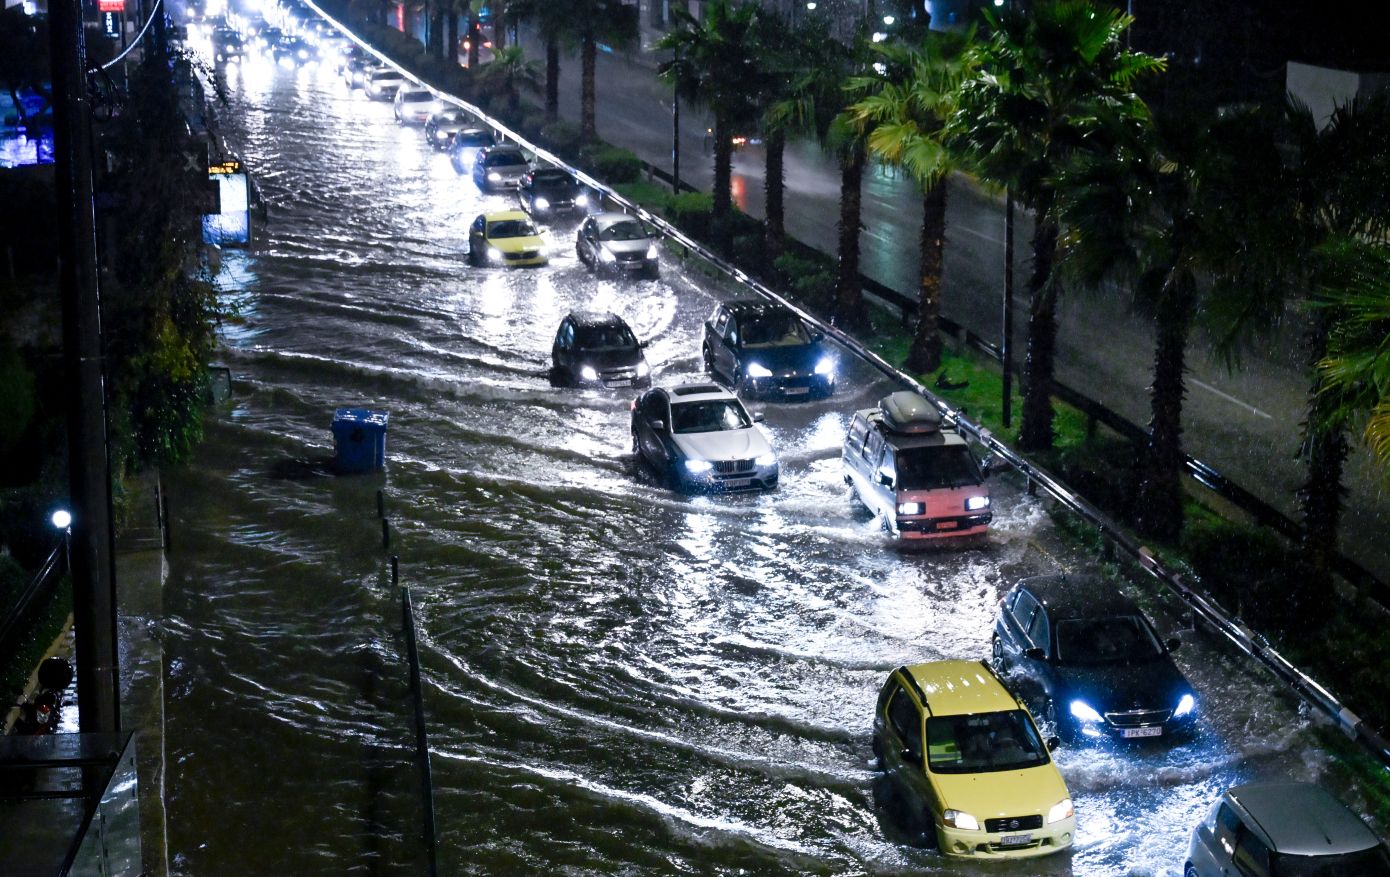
619	382
738	482
1155	731
1015	840
947	525
797	391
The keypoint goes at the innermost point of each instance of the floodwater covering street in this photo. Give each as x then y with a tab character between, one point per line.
618	679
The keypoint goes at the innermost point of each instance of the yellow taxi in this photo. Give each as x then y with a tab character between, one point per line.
964	751
507	237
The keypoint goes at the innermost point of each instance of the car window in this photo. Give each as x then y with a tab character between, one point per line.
550	178
1227	823
872	447
496	159
629	230
478	225
721	320
1023	610
887	466
775	330
713	415
1039	630
858	429
731	332
565	336
654	406
907	722
416	97
510	228
1251	856
983	742
609	337
473	138
1114	639
936	467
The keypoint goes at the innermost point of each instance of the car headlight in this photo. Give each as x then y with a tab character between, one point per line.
1186	705
1083	711
303	53
826	366
768	459
975	503
909	508
695	467
1061	810
606	255
581	200
588	373
960	819
494	254
756	370
494	176
653	251
542	204
643	369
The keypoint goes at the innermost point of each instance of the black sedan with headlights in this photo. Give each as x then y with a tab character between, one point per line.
441	127
763	348
618	243
598	350
1089	661
547	191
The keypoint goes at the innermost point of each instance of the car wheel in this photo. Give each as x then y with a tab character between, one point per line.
635	449
473	258
996	656
1049	717
877	748
1189	871
652	273
708	357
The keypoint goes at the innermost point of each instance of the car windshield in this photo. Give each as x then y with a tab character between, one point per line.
473	138
773	330
507	158
510	228
386	76
983	742
629	230
449	117
1374	862
609	337
551	178
935	467
1115	639
417	97
710	416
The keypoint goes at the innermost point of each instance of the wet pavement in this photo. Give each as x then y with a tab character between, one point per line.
618	679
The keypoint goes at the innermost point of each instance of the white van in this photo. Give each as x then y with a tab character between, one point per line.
916	473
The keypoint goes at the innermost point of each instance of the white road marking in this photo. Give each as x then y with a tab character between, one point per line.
1232	399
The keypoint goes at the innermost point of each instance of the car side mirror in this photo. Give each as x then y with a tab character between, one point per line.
643	344
1035	654
885	479
910	756
657	425
1173	644
1053	743
758	417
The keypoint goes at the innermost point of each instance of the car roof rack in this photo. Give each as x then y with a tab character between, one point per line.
907	413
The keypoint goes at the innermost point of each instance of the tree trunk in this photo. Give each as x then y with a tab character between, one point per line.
451	54
475	39
436	34
774	187
588	127
925	355
1159	506
849	294
723	185
552	78
1325	450
1035	432
499	29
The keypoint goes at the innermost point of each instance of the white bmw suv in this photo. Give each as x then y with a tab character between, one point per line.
702	438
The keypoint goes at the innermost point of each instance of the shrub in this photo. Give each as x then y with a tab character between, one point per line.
691	212
610	164
563	139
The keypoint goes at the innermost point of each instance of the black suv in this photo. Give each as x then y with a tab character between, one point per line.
598	350
546	191
761	347
1088	659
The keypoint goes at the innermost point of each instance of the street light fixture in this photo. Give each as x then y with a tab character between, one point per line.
811	5
62	519
888	20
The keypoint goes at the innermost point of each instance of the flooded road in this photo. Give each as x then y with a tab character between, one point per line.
618	679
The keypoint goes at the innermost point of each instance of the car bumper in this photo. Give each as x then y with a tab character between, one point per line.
621	380
789	386
756	478
990	845
1129	732
944	528
520	260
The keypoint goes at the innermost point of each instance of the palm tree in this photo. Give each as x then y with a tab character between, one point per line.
1185	213
508	73
1040	79
611	22
714	64
550	20
907	106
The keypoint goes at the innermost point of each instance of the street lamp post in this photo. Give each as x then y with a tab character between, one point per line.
1006	346
675	142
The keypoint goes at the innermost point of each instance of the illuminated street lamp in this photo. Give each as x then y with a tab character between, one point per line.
62	520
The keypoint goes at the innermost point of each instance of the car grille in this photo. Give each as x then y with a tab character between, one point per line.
1138	718
732	467
524	254
635	256
1013	823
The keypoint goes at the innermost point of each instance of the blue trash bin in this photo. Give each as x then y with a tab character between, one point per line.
359	440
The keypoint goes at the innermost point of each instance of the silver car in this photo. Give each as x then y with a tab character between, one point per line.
1283	830
415	105
701	438
382	83
618	243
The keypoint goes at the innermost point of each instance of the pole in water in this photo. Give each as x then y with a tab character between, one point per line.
395	569
381	503
385	533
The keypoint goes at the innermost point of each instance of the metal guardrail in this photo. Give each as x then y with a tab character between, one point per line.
1245	639
43	581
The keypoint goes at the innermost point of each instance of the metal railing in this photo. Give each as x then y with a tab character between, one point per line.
41	585
1242	637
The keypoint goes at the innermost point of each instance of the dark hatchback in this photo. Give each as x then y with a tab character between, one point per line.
1089	661
764	348
598	350
547	191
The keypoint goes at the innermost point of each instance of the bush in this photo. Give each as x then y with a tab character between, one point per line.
812	282
1255	574
610	164
691	212
563	139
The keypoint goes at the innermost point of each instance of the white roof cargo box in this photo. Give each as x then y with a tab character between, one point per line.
908	413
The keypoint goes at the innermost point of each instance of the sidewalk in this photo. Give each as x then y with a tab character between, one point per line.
1244	423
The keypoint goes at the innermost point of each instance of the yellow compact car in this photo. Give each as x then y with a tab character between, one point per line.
959	747
505	238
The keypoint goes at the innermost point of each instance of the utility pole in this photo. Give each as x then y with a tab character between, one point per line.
1006	343
675	142
89	470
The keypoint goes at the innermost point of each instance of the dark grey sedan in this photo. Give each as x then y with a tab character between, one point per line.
619	244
